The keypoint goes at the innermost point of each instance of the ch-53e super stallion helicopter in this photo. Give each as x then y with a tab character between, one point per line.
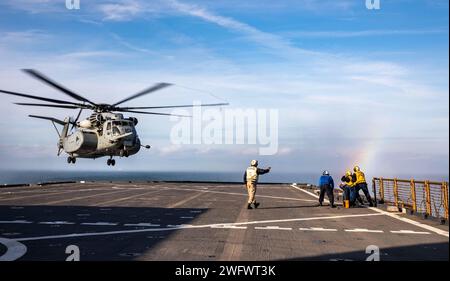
105	132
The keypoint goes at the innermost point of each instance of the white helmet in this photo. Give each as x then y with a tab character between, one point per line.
326	173
254	163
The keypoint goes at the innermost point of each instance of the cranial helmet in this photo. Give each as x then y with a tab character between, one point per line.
326	173
356	168
254	163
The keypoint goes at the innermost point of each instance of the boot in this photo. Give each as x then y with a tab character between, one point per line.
249	206
256	205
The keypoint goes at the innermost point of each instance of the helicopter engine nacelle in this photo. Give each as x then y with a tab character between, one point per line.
134	120
85	124
80	142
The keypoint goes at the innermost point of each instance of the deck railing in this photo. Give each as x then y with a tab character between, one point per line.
429	198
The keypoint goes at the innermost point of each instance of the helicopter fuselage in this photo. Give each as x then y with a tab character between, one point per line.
103	134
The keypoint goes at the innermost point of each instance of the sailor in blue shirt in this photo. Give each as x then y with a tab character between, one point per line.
326	185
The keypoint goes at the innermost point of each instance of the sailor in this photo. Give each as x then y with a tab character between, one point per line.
361	184
348	186
326	185
251	180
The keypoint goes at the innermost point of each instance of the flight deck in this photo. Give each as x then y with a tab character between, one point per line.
167	221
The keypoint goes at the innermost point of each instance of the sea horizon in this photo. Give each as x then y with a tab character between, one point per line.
38	176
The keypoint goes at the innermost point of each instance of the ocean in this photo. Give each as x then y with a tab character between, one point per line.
33	176
36	176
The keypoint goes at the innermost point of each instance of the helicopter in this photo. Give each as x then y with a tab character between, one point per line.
106	132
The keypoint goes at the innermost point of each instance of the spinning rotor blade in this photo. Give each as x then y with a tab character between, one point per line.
76	119
48	81
155	113
154	88
50	105
38	98
48	118
171	106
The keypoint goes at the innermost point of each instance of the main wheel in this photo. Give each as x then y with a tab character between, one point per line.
113	162
108	162
74	160
69	160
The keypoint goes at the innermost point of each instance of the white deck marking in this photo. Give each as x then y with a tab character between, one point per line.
15	222
317	229
422	225
229	226
45	193
84	197
240	194
177	227
125	198
308	192
409	232
186	217
364	230
305	219
273	228
14	249
56	222
99	223
141	224
134	188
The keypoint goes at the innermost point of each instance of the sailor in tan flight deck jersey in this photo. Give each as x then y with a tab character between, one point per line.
251	180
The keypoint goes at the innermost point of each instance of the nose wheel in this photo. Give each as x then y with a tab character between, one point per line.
71	159
111	162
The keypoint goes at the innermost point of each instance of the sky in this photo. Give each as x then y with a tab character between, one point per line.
351	85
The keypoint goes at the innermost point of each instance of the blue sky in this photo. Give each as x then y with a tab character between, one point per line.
352	85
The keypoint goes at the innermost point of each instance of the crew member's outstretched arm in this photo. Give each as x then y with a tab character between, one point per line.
263	171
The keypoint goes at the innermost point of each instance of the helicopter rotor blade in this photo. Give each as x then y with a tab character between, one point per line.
50	105
52	83
38	98
149	90
155	113
60	122
76	119
172	106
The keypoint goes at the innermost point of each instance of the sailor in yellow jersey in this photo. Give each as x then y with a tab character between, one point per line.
360	184
349	187
251	180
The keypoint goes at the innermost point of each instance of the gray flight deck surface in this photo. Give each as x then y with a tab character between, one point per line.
201	221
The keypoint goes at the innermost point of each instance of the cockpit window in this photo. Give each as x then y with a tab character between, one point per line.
116	131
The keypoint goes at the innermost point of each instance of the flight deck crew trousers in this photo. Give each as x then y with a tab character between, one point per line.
363	187
329	190
251	189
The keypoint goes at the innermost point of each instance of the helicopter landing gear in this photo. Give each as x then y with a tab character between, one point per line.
71	159
111	162
123	153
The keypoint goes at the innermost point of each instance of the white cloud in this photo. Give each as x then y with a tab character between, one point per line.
23	37
361	33
265	39
122	11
